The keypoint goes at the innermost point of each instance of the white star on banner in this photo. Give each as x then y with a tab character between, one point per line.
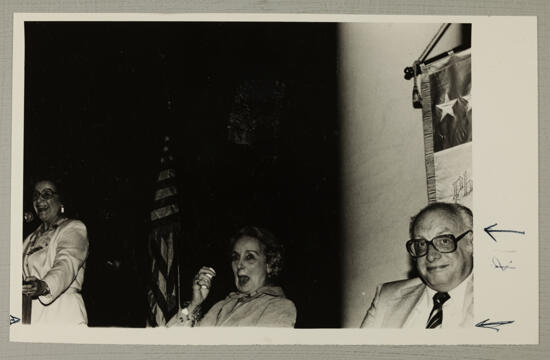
467	99
447	107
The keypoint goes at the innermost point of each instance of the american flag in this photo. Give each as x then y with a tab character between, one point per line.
163	292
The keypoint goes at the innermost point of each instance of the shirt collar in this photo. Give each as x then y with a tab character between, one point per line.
54	226
268	290
459	292
456	294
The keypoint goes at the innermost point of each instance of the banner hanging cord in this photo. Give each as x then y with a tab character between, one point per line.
416	97
442	29
410	71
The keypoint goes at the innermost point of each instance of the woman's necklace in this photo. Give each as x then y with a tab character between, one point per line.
41	234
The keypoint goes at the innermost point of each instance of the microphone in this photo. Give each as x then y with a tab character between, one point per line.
28	217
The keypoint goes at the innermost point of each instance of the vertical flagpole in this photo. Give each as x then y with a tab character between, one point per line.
27	309
178	285
177	249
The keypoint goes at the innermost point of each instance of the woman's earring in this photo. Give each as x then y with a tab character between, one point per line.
62	209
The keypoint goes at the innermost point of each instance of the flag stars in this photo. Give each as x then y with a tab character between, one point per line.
447	107
467	99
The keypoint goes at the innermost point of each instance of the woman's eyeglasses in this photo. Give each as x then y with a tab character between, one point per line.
47	194
442	243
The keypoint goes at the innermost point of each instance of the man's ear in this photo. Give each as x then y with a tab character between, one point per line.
469	240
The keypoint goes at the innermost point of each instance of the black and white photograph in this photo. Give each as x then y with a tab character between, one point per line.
267	175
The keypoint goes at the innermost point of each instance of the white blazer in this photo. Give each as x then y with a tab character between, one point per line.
58	258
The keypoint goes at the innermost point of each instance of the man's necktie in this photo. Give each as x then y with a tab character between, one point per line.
436	316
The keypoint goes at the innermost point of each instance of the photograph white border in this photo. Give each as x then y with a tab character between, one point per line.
505	168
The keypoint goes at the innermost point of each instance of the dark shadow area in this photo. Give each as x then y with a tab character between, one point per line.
251	112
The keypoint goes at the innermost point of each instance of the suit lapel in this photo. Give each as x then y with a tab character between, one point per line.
404	305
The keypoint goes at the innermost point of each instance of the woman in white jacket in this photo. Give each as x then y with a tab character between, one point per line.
54	258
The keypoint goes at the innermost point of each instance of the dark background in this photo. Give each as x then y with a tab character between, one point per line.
99	99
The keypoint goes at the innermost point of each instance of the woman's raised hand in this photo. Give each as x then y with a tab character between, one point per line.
201	286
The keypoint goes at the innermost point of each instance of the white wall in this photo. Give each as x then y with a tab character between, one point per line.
384	178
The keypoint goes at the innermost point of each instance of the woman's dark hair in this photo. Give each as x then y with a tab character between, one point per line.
60	188
272	248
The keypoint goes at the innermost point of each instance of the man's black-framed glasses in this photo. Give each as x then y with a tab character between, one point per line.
46	194
442	243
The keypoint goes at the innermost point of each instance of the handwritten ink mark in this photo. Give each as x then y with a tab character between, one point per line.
489	230
14	319
492	325
498	264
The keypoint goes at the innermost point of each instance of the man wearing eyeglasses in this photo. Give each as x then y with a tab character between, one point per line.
441	246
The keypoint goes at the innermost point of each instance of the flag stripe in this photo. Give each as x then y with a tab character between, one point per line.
164	212
165	183
169	242
166	174
165	192
171	200
161	299
159	262
160	267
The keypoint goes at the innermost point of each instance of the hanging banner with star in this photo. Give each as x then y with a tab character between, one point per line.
447	119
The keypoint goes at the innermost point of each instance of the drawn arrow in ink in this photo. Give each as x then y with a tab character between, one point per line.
14	319
489	230
492	325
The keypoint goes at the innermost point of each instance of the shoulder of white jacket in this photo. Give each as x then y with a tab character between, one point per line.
400	285
72	223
